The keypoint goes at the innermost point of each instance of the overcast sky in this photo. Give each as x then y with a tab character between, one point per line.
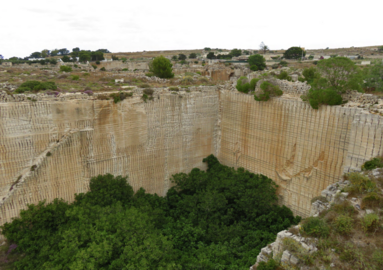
125	26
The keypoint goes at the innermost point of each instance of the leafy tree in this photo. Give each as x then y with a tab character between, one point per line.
210	55
63	51
311	74
161	67
339	74
181	57
66	58
328	96
258	61
244	86
103	50
192	56
174	58
235	52
263	47
84	56
44	53
77	49
214	219
54	52
245	52
36	55
374	77
294	53
65	69
53	61
207	49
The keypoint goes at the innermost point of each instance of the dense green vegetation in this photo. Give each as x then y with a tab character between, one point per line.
244	86
257	62
268	90
218	219
35	86
294	53
161	67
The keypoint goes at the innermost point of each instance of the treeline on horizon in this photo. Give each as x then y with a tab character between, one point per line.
218	219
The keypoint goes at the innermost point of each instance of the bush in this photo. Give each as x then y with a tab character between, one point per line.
65	69
75	77
269	90
294	53
258	61
310	74
144	85
319	198
360	183
174	88
322	97
377	256
284	76
316	227
270	265
21	90
120	96
373	164
343	224
243	85
149	74
103	69
94	66
283	63
125	69
372	200
161	67
98	62
370	222
254	68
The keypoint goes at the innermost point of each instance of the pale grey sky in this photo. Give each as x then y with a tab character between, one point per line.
124	26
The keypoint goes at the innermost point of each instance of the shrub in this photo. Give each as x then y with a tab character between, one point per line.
254	68
371	200
149	74
316	227
198	72
23	89
98	62
65	69
187	80
145	97
174	89
322	97
370	222
161	67
296	249
148	91
270	265
343	224
319	198
377	256
243	85
103	69
269	90
258	61
373	164
86	74
33	168
125	69
94	66
49	154
75	77
284	76
310	74
344	208
360	183
120	96
144	85
283	63
294	53
253	83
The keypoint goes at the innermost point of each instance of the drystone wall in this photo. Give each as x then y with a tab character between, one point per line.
51	147
149	142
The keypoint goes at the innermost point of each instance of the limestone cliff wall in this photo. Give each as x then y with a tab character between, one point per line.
301	149
66	141
146	141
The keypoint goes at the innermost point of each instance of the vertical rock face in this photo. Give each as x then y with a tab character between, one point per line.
50	148
149	142
301	149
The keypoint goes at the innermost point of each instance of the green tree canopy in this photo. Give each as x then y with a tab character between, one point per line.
257	60
161	67
235	52
374	77
35	55
193	56
214	219
294	53
84	56
210	55
339	74
181	56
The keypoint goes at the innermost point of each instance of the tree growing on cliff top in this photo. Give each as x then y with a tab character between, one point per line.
161	67
257	62
294	53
